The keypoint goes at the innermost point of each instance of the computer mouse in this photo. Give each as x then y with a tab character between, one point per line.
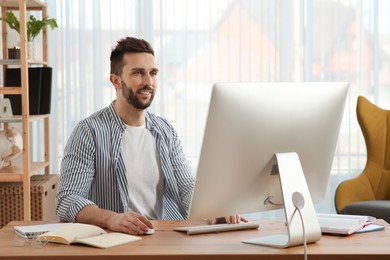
149	232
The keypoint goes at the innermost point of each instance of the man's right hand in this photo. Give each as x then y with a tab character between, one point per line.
130	222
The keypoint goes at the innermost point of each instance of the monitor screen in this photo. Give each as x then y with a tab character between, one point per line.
247	124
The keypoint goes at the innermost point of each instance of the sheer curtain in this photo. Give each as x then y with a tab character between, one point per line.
201	42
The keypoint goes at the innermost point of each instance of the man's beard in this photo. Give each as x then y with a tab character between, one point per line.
132	98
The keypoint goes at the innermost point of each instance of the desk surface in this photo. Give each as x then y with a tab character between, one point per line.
168	244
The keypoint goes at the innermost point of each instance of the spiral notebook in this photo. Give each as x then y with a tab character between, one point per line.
36	230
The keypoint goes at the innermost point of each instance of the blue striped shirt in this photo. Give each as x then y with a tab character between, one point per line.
93	171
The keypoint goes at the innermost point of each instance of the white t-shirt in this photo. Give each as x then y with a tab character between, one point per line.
145	181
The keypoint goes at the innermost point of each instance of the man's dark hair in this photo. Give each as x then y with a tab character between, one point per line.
126	45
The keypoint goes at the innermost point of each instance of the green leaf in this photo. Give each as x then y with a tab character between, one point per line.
34	26
12	21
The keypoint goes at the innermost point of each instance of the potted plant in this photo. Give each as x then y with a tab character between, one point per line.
34	26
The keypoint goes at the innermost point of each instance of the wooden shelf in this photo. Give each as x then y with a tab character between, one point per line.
26	168
17	62
15	3
35	167
11	90
19	119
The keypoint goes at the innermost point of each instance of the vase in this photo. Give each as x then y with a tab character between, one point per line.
34	50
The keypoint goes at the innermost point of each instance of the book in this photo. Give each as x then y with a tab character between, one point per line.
36	230
340	224
86	234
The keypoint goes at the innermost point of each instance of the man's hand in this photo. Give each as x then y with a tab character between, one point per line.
229	219
131	223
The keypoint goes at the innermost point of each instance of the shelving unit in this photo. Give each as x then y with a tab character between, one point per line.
28	167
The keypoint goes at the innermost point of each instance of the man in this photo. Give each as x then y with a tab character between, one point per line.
124	166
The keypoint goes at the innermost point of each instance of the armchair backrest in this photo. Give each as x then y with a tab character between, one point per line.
375	125
374	181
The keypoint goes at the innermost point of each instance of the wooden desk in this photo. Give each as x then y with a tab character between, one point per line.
167	244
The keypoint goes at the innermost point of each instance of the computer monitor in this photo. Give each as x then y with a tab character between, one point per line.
248	126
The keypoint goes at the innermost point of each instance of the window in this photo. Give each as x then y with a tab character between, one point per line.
201	42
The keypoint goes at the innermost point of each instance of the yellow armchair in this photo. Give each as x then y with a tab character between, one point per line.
369	192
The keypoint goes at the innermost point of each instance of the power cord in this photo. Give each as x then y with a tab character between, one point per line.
304	233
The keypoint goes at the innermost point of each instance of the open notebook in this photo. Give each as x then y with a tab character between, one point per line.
71	233
86	234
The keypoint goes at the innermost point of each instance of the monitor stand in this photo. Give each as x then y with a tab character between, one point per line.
295	195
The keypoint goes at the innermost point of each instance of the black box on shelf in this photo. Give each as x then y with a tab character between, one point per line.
46	82
40	82
43	190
